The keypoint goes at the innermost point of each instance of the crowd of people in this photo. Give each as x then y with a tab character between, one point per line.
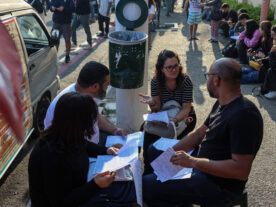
224	146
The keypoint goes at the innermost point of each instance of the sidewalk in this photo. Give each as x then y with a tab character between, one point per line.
196	57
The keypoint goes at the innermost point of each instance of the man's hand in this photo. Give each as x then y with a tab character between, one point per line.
60	8
118	146
54	8
273	49
120	132
183	159
103	180
112	151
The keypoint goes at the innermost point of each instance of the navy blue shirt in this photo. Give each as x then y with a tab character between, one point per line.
65	16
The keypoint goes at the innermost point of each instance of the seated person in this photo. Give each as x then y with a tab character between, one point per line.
93	80
240	26
269	87
250	38
170	82
58	164
227	142
230	18
260	56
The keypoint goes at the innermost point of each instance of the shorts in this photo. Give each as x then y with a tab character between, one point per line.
194	18
64	29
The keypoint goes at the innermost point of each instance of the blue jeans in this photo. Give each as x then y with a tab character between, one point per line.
199	189
249	75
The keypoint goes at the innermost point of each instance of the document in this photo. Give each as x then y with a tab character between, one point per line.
164	143
92	163
120	140
161	116
126	155
163	168
137	171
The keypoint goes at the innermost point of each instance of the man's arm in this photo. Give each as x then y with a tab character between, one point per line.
236	168
192	140
108	127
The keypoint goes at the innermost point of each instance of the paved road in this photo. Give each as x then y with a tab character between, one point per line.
196	58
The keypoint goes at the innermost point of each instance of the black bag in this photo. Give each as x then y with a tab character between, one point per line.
216	15
230	50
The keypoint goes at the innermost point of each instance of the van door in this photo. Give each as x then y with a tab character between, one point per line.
42	58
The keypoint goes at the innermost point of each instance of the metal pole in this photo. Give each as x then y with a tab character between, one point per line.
129	110
265	9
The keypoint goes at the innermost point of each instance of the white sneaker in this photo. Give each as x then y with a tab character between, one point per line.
270	95
73	46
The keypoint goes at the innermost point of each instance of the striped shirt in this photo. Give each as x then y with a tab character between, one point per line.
182	93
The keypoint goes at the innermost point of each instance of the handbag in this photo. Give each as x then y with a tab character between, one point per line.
167	130
255	65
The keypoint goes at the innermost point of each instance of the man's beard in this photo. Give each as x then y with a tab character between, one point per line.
210	89
101	94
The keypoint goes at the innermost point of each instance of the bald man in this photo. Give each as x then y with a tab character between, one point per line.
225	147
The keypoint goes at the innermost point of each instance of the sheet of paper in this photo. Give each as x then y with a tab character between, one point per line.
126	154
92	163
164	143
182	174
120	140
234	37
159	116
137	171
162	166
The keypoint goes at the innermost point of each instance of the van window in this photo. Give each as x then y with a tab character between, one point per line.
33	34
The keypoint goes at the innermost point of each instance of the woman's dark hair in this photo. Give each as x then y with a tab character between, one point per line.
274	28
242	10
159	75
266	33
251	27
243	16
74	118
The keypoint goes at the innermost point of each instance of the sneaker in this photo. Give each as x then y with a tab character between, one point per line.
101	34
74	46
88	47
67	59
270	95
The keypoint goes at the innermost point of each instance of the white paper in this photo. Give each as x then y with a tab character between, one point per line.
126	154
137	177
163	167
234	37
120	140
161	116
182	174
164	143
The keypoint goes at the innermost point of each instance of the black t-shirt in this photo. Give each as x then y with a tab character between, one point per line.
232	14
235	128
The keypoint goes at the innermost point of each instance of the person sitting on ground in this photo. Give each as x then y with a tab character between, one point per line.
93	80
194	17
239	27
230	18
170	82
250	38
259	56
227	142
269	86
58	165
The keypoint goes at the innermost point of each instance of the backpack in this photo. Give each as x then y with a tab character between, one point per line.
230	50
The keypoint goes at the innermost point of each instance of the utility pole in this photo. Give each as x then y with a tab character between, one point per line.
129	109
264	10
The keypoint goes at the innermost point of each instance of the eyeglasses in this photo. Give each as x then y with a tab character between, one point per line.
171	67
206	75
